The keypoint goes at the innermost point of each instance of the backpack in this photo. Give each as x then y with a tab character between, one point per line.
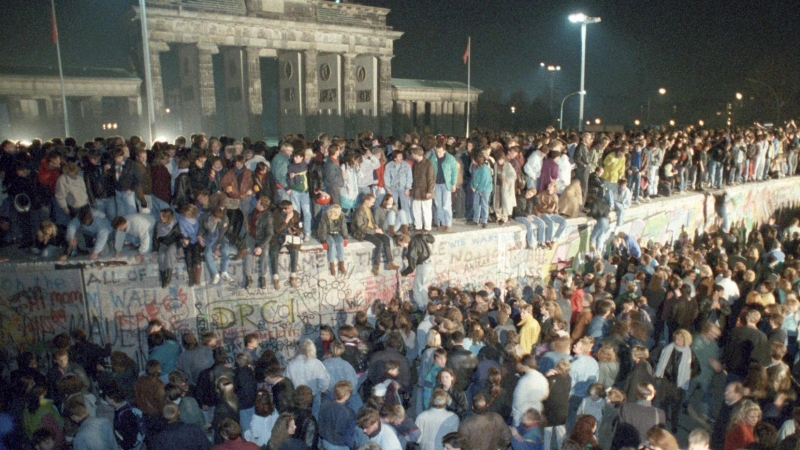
141	429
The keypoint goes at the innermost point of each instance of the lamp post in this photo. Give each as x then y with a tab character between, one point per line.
552	69
561	116
584	20
661	91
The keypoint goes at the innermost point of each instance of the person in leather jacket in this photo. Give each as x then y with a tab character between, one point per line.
287	228
418	252
462	361
261	230
307	429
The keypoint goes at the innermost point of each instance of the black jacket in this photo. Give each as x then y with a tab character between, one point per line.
183	192
130	178
245	385
199	178
264	229
597	208
556	404
99	182
172	238
180	435
418	251
334	179
463	363
307	429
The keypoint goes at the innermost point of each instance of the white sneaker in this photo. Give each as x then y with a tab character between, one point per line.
306	237
225	276
215	280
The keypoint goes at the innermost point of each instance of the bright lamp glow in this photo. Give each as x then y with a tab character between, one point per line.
577	18
662	91
542	64
597	121
739	96
701	122
672	123
637	122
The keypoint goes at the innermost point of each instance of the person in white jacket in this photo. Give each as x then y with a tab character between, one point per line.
436	422
306	369
136	229
532	389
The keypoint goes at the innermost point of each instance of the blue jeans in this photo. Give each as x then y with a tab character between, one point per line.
634	183
550	221
534	223
714	174
126	203
620	213
598	232
51	251
480	206
423	276
335	246
302	203
156	205
402	201
58	214
107	206
442	205
225	256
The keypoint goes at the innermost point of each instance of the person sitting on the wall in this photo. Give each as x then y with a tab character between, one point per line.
190	225
89	233
134	229
288	233
168	235
365	229
418	253
332	232
261	229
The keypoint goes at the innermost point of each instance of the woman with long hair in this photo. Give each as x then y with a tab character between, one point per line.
660	438
583	432
227	407
282	433
404	326
456	399
739	433
676	366
497	399
262	423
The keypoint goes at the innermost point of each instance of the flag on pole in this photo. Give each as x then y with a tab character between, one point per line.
465	58
54	27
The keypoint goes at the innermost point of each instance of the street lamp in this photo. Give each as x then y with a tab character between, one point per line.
739	96
672	123
584	20
513	109
661	91
561	116
552	68
598	121
637	122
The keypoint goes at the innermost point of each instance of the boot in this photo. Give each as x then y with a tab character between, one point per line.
190	273
294	281
342	268
248	282
333	269
262	282
198	275
404	230
376	269
240	254
166	278
276	283
391	231
162	275
392	266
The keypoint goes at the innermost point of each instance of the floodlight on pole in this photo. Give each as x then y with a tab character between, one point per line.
584	20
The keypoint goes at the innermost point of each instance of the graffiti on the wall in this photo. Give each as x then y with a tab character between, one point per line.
116	303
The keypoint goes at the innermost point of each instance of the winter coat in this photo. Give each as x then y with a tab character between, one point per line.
333	227
571	200
449	168
71	192
505	195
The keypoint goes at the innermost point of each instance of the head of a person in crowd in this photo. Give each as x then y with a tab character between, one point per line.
699	439
583	346
733	392
61	358
659	438
526	364
682	338
453	441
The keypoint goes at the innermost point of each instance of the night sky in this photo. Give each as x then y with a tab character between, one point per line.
701	51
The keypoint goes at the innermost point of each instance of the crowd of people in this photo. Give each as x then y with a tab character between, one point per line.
608	356
212	200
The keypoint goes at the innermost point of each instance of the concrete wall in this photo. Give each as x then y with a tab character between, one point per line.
40	300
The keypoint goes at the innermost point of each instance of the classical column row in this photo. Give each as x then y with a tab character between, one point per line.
439	116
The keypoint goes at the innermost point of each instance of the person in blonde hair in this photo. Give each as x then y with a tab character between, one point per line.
740	429
51	240
307	370
676	366
332	232
662	439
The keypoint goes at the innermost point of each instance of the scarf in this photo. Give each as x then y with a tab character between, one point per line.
684	369
163	228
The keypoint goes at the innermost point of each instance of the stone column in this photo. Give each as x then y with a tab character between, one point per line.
385	94
419	121
15	107
58	105
93	106
155	72
436	117
208	99
459	118
349	94
134	106
311	87
255	103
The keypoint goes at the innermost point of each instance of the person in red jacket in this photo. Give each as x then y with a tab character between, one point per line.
740	432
